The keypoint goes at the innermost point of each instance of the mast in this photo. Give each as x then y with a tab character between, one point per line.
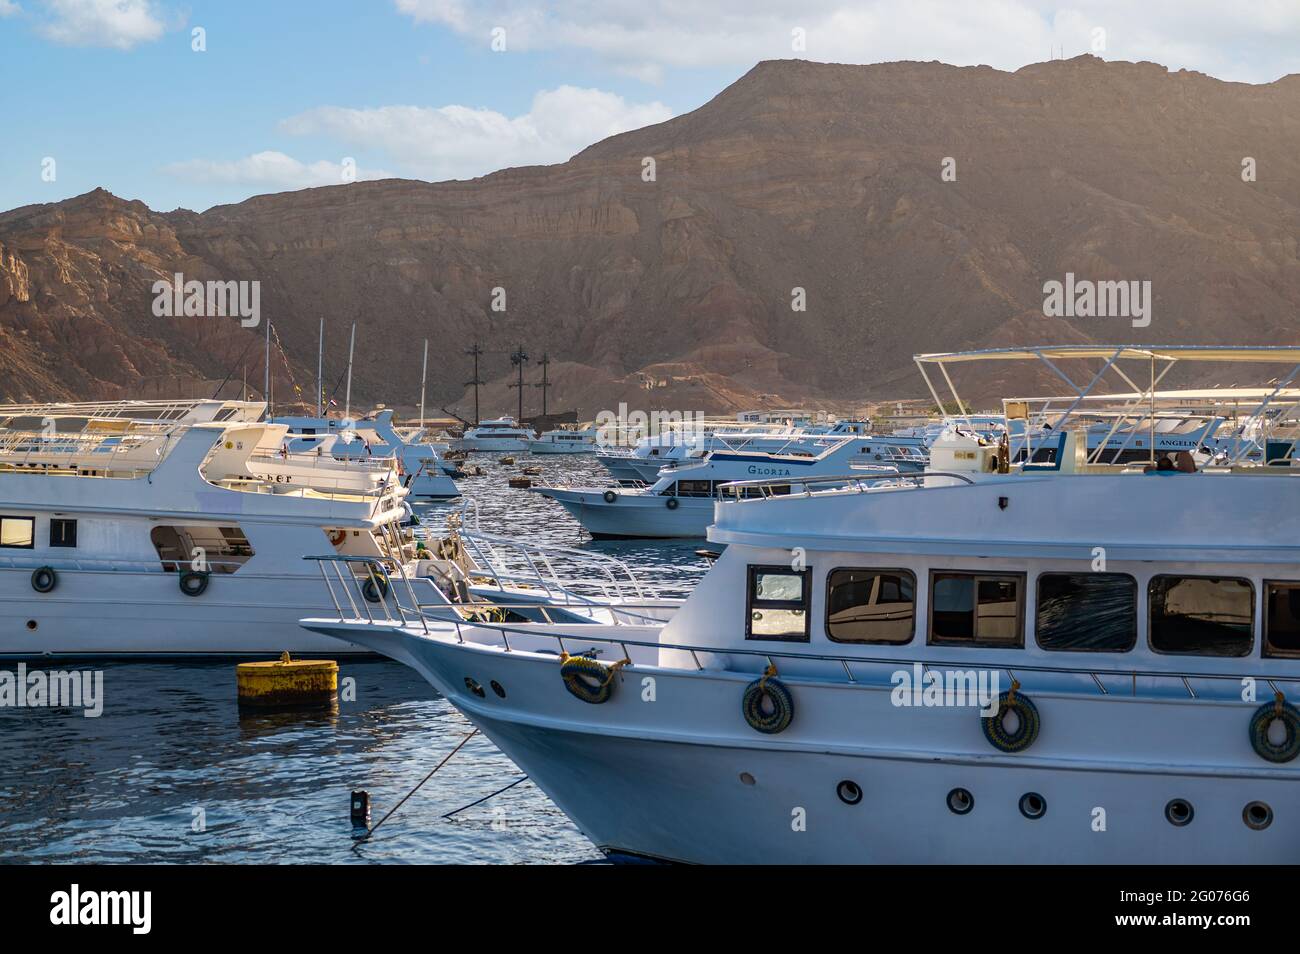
545	385
266	371
424	376
320	362
476	351
347	408
518	359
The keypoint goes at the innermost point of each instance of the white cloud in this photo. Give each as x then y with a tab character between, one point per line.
8	8
1256	42
462	142
268	170
121	24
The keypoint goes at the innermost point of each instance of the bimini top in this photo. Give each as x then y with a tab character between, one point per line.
1121	352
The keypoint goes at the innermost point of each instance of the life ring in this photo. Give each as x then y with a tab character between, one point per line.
1281	711
375	588
995	729
587	679
338	536
44	579
610	496
673	503
767	704
194	582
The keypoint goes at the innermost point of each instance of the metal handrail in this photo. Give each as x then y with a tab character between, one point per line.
846	662
854	482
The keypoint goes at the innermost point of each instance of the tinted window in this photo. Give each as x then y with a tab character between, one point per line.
1282	619
976	609
1095	612
777	604
870	606
63	533
1202	616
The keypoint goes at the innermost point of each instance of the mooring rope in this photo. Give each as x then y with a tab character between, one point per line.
458	747
522	778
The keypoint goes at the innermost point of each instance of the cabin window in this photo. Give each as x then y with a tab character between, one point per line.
63	533
977	609
1282	619
870	606
18	532
1201	615
691	488
215	549
778	603
1087	612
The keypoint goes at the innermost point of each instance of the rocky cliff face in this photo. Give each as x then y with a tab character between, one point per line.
824	178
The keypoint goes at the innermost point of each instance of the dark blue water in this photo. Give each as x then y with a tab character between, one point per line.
172	772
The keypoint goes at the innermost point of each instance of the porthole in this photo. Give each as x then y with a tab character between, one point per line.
746	778
474	687
31	624
1179	812
1257	815
498	689
960	801
1033	805
850	792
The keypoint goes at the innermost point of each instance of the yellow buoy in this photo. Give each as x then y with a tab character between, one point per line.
287	682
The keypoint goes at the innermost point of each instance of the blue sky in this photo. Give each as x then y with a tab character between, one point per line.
287	90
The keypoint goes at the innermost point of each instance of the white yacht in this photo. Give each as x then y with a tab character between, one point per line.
562	441
423	472
1034	662
123	537
498	434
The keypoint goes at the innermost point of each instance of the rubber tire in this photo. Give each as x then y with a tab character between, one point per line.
375	589
199	575
1030	723
1259	724
577	673
610	496
44	579
782	705
673	503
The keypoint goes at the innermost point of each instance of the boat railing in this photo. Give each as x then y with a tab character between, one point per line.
785	487
379	590
158	565
311	461
394	612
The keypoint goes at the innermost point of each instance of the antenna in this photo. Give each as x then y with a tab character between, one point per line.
320	364
519	358
347	407
266	383
545	385
476	352
424	376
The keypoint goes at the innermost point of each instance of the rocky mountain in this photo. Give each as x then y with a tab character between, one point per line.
914	206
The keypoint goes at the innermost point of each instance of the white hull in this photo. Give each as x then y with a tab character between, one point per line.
547	447
638	777
636	515
486	445
433	487
123	613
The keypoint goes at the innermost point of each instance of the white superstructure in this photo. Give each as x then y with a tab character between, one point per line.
498	434
1050	662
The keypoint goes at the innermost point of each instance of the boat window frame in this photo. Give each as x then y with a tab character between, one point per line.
1254	605
31	523
899	570
752	572
1137	610
1264	640
1022	578
65	522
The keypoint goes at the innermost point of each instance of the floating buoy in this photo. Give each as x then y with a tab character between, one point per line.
360	809
519	483
287	683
